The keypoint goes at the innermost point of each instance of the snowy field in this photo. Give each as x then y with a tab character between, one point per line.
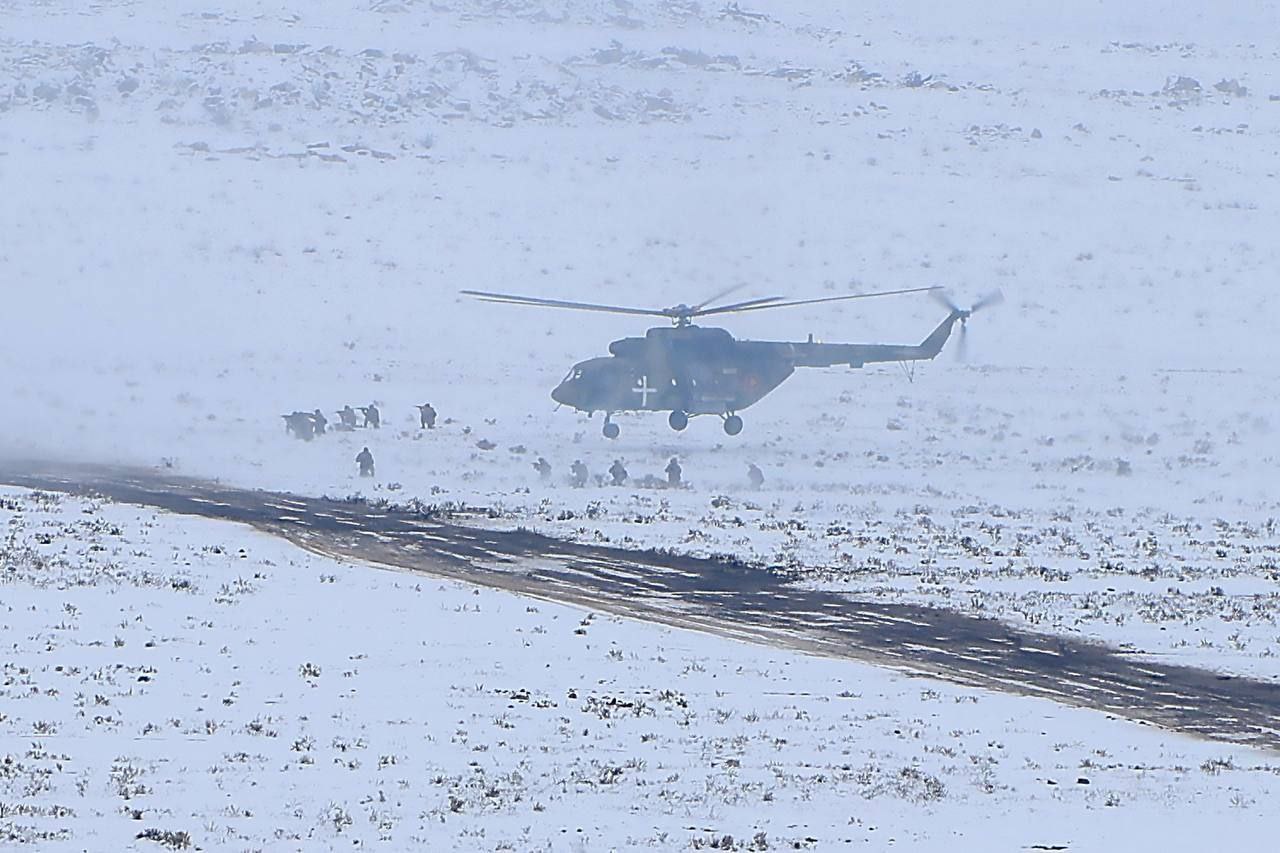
217	213
170	680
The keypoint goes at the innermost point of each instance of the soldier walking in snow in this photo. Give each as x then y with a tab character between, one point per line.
348	417
365	460
371	415
578	474
618	472
755	476
543	467
319	421
427	414
673	473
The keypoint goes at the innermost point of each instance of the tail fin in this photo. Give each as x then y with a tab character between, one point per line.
932	345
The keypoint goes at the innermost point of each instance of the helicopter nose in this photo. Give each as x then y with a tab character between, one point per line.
563	394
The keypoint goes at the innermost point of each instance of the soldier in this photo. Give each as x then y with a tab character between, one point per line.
543	467
299	423
618	472
673	473
371	416
427	415
578	474
365	459
319	421
348	417
755	476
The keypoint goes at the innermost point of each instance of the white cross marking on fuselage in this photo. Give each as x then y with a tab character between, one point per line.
642	388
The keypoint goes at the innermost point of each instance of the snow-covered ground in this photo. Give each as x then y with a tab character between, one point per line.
170	679
216	213
219	213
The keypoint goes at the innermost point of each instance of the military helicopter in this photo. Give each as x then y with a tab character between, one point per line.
690	370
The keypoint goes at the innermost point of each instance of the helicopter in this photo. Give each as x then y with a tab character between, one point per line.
689	370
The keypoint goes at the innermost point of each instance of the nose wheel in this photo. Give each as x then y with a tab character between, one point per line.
678	420
611	430
733	425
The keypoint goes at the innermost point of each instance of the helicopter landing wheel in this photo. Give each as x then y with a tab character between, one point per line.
678	420
611	429
733	425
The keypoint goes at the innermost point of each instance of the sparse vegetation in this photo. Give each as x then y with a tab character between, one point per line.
175	840
1103	468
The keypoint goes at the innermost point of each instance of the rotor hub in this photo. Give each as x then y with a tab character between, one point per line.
680	314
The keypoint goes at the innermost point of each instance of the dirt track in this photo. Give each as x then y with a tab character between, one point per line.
733	600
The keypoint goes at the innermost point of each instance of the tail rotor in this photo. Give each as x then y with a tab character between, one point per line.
991	300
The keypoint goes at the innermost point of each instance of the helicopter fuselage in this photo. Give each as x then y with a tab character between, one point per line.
689	369
692	370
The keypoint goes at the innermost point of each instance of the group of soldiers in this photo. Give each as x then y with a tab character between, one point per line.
308	425
579	476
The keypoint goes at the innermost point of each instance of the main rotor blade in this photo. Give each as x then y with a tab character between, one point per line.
511	299
721	295
737	306
775	304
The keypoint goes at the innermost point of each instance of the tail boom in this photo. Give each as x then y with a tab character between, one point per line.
857	355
